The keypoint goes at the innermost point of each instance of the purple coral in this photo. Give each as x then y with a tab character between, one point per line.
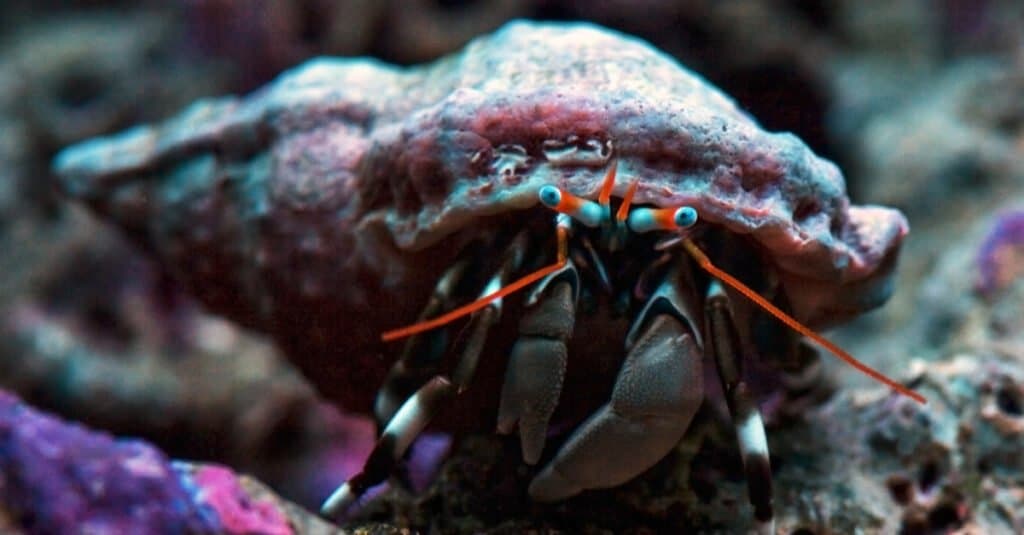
1000	260
57	477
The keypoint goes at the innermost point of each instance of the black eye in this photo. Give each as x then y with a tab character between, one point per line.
454	5
1009	402
78	90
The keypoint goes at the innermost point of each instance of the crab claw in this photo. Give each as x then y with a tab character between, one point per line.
656	395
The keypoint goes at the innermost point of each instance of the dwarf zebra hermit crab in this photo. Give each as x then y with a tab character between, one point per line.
660	386
348	196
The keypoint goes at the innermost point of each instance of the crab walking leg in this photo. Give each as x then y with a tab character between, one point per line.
401	431
658	390
723	344
414	415
417	411
421	354
803	376
536	368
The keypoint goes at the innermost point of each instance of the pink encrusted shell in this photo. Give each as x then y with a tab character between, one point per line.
347	184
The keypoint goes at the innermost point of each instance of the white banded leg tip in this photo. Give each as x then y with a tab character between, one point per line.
338	502
765	528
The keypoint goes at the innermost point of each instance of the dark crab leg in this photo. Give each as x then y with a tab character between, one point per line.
421	354
804	380
536	368
802	374
417	411
658	391
725	346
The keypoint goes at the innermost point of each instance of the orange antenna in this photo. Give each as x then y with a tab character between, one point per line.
627	200
605	197
705	263
465	310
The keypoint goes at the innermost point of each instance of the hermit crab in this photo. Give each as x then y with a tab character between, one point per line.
576	227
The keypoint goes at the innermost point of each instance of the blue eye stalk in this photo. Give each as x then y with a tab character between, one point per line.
587	212
639	220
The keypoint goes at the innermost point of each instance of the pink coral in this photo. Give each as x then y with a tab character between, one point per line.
1001	256
238	513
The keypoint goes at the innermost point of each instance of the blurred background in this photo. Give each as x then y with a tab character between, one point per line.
921	103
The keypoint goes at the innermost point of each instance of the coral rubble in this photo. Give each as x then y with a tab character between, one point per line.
63	478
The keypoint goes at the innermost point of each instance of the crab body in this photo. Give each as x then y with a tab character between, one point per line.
324	208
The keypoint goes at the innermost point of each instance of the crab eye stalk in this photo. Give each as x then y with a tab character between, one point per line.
651	219
587	212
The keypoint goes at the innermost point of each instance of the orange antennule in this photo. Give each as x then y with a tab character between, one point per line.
627	200
705	263
465	310
605	196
